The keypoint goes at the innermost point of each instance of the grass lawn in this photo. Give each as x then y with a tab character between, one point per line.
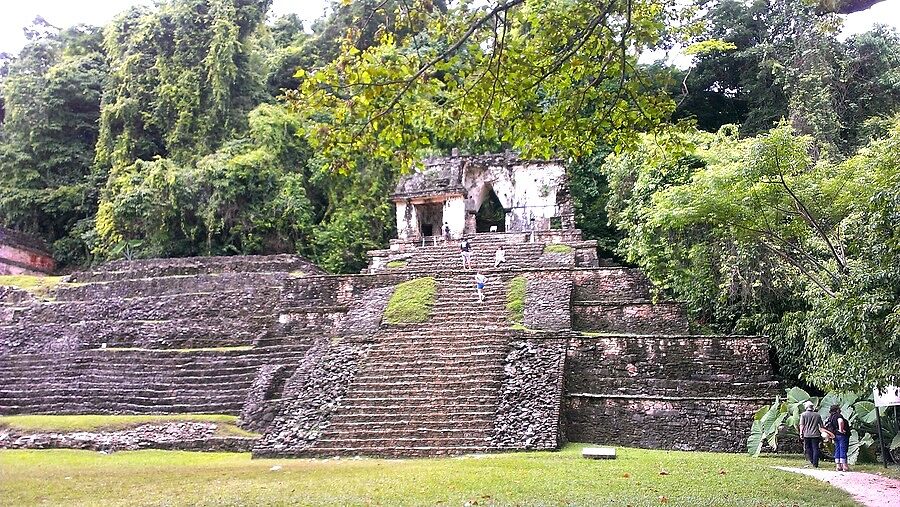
40	286
544	478
71	423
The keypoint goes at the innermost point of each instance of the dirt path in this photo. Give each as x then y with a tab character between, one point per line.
868	489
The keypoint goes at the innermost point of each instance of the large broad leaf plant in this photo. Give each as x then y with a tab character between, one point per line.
772	424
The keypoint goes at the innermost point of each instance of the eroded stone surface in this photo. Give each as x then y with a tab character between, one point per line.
175	435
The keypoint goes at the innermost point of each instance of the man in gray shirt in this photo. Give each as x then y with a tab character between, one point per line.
810	429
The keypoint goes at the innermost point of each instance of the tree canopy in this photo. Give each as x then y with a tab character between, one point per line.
759	185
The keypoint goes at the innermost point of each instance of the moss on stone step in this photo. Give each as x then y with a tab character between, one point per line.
411	301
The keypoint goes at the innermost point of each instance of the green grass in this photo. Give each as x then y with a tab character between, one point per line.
201	349
515	300
94	422
557	248
66	477
411	302
38	285
397	264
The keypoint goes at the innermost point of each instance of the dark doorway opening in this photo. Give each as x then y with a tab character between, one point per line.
491	213
430	217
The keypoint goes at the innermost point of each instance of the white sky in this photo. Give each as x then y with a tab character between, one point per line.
884	13
15	14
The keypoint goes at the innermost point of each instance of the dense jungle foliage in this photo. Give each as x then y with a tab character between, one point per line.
759	185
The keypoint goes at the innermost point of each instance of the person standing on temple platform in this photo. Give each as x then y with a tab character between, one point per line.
466	250
447	237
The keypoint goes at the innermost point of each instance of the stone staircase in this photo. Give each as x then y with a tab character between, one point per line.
420	393
154	336
457	306
438	259
135	381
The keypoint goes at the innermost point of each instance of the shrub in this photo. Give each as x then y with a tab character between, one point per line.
557	248
515	299
859	410
411	302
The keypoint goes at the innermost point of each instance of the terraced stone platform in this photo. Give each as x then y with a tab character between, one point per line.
305	358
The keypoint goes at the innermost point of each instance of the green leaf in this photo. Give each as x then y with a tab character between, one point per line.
796	395
755	440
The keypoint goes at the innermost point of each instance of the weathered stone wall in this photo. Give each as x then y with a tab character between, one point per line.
264	397
188	436
673	392
627	317
610	284
531	395
310	396
691	424
364	317
547	301
21	254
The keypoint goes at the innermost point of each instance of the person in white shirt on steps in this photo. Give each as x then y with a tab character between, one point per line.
480	280
499	257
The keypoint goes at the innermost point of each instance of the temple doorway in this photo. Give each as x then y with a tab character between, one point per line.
430	217
490	214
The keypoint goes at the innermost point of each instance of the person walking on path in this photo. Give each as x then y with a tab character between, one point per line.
810	429
466	250
480	280
499	257
840	426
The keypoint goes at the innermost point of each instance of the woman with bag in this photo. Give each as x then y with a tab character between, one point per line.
840	427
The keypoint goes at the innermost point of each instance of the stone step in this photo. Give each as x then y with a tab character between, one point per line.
350	448
429	379
388	371
135	368
349	427
419	407
156	356
124	409
434	362
202	283
363	394
410	437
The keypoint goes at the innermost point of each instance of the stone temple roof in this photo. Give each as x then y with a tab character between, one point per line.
444	175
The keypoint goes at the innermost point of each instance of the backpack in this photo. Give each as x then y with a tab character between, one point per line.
832	424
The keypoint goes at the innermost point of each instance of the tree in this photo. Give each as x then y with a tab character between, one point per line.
542	78
185	76
249	197
52	101
759	237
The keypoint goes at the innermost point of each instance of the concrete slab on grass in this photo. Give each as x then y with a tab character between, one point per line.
599	452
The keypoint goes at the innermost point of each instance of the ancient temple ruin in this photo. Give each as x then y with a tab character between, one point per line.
21	254
472	194
307	360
